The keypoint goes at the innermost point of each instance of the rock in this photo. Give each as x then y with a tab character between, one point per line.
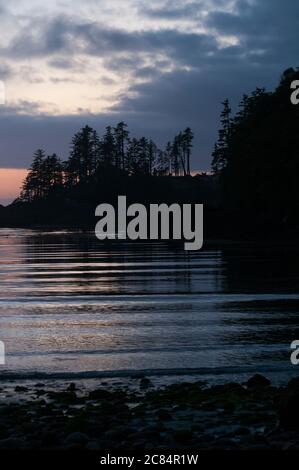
77	438
99	394
257	381
93	445
63	397
21	389
77	424
145	383
71	387
230	387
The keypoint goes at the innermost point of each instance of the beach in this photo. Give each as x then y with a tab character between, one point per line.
185	415
145	346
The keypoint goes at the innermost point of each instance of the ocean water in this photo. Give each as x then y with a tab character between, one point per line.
72	306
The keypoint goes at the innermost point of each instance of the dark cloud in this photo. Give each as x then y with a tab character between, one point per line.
179	10
267	29
202	73
161	108
125	63
259	19
21	107
42	38
180	99
61	35
173	10
147	72
105	80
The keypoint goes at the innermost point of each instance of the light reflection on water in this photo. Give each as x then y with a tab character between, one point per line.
69	303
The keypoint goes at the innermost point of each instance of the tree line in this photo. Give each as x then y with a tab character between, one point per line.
92	157
256	156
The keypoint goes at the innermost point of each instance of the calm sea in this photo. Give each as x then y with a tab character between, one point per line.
73	306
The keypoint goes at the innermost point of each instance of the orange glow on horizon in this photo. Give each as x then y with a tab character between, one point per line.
11	180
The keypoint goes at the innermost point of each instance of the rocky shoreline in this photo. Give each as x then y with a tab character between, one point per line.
251	416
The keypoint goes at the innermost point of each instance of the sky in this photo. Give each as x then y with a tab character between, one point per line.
159	65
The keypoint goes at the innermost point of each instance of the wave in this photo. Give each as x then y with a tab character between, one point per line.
130	373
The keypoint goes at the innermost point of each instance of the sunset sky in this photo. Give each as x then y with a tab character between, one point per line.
10	182
160	65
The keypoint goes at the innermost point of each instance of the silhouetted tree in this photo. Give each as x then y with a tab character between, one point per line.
52	174
152	150
187	147
82	163
258	163
162	166
92	158
108	148
176	155
220	154
45	176
33	185
168	157
121	136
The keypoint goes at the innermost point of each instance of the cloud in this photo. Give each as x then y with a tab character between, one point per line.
5	71
267	30
62	63
41	38
172	10
25	107
157	109
168	64
64	36
191	10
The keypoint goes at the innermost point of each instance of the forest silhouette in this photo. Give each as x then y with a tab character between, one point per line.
252	189
93	158
257	158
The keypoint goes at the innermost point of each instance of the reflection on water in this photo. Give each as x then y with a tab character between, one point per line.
69	303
